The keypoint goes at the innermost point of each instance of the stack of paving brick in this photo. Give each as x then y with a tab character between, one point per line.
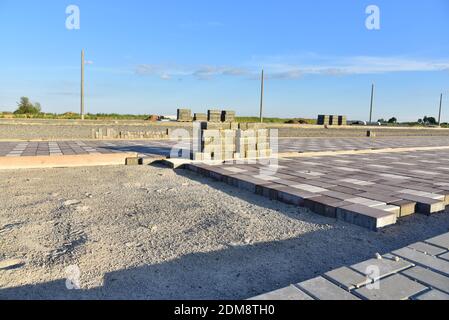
333	120
342	120
200	117
184	115
227	144
110	134
214	115
323	120
228	116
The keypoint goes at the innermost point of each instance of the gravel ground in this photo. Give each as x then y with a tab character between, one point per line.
152	233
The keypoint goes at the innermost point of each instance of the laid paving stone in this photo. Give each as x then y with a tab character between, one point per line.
407	207
425	205
396	287
422	259
427	248
284	294
428	277
384	267
347	278
322	289
444	256
325	206
433	295
366	217
440	241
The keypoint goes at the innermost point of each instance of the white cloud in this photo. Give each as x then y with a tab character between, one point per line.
290	67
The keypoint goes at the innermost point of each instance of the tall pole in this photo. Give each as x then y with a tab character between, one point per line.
441	104
82	85
261	98
372	104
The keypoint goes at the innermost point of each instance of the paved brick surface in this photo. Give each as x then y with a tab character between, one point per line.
28	149
399	279
372	191
162	147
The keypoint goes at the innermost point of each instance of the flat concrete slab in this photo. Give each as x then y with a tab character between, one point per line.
322	289
422	259
284	294
347	278
376	269
396	287
440	241
429	278
433	295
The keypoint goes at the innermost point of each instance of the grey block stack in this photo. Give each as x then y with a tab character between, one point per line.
323	120
200	117
227	116
214	115
184	115
342	120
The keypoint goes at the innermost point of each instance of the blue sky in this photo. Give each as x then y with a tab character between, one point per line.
151	56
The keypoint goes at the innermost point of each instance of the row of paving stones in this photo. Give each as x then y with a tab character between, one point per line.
336	144
57	148
417	272
371	191
164	147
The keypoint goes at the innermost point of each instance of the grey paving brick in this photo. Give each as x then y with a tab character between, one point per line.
284	294
440	241
366	217
322	289
384	266
423	204
347	278
433	295
429	278
427	248
420	258
444	256
396	287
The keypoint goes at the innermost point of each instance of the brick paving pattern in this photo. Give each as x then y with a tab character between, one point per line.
417	272
163	147
371	191
57	148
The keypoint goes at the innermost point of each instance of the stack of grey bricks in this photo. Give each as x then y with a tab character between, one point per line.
228	116
214	115
200	117
230	144
323	120
184	115
332	120
419	271
110	134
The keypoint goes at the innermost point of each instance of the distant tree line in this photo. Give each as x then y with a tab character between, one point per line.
25	106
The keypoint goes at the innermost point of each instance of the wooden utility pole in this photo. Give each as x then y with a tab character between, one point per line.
372	104
82	85
441	105
261	98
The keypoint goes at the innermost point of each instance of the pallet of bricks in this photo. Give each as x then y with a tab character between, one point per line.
184	115
332	120
228	144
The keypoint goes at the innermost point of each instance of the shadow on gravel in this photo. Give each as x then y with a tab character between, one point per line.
241	272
